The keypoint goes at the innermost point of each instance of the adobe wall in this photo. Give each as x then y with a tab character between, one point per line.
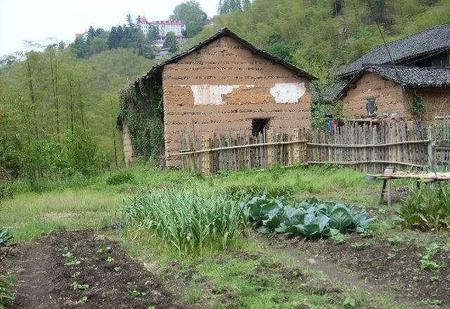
222	87
437	103
389	97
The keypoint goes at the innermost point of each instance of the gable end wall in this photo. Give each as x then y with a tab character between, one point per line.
389	97
222	87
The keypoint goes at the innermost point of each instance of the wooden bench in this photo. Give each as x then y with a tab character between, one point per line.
390	174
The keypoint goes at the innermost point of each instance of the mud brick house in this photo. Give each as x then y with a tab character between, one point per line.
222	84
408	78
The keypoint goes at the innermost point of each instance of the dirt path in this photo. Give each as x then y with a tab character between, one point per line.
333	271
78	270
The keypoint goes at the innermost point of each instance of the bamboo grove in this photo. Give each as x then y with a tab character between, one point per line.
58	113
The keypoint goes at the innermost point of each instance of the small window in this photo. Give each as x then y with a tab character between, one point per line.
371	107
259	126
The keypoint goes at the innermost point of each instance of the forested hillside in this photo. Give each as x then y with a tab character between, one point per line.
322	35
58	106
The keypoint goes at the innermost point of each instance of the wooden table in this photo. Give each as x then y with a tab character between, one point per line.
390	174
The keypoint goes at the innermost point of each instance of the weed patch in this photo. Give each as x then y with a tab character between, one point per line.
427	209
7	295
120	178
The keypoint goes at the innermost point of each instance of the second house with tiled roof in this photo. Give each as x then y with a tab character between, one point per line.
408	78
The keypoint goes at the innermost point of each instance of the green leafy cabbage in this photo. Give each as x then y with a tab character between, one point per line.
310	218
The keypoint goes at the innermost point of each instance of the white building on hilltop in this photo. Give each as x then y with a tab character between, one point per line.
164	26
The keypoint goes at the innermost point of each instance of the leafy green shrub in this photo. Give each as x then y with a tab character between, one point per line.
7	296
246	192
189	221
5	236
427	262
310	218
5	191
427	209
120	178
82	154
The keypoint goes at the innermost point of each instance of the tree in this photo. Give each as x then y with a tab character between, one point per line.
246	4
79	48
129	20
61	46
152	34
227	6
191	13
112	38
171	42
90	34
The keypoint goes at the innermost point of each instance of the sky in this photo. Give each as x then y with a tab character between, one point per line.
49	21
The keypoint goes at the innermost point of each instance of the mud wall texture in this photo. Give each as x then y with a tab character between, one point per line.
388	95
127	146
391	98
222	87
437	103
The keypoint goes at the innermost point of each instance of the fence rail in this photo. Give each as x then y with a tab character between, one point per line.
369	147
237	151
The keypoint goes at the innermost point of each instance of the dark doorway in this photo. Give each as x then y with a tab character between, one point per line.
259	126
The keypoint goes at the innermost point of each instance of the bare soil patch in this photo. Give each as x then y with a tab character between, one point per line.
78	270
380	262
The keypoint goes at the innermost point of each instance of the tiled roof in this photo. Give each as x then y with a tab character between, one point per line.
409	76
433	40
414	77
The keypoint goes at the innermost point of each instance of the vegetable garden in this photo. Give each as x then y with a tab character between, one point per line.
312	237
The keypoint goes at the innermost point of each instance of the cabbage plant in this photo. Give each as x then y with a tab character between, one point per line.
310	218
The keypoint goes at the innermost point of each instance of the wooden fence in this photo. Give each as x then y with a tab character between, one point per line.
237	151
370	147
441	136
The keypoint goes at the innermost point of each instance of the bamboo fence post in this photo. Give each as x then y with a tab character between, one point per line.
270	148
206	159
297	147
430	147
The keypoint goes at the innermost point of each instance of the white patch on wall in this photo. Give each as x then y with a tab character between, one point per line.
288	92
212	94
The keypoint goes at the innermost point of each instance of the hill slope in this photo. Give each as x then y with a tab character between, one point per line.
321	36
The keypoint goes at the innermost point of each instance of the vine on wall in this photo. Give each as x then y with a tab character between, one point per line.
142	109
418	106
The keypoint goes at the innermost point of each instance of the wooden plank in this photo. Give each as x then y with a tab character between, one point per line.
368	145
365	162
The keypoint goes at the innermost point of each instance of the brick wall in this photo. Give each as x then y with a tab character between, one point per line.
223	87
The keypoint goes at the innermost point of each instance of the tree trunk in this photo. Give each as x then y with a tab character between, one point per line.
32	97
54	73
72	118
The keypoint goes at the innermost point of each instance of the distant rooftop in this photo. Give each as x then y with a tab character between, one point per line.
432	40
143	20
168	22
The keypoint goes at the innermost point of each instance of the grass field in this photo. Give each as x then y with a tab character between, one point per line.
252	272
